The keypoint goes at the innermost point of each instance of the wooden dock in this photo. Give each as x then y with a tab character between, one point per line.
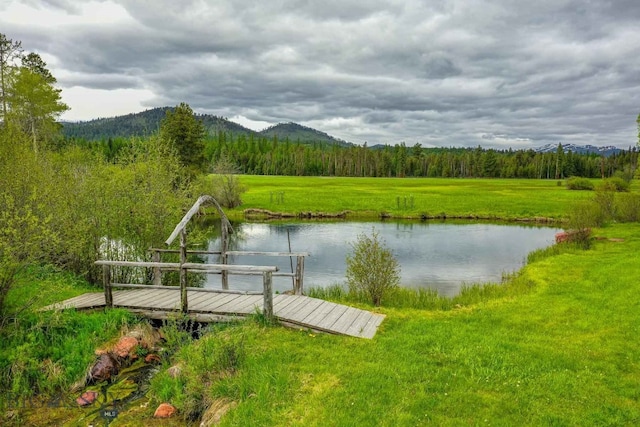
209	306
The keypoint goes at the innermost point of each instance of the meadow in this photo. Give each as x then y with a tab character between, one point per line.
554	344
432	197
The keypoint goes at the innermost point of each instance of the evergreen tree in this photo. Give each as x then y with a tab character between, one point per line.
181	129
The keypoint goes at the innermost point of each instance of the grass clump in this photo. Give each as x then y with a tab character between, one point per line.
44	352
214	357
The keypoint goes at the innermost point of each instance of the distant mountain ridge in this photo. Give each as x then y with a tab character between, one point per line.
296	132
581	149
147	122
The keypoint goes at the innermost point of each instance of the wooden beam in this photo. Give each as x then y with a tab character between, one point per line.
106	282
183	271
194	209
296	254
267	306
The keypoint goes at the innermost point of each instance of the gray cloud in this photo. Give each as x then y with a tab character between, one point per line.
492	73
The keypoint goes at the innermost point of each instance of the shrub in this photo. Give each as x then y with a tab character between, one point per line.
227	189
372	270
628	208
582	217
579	183
616	183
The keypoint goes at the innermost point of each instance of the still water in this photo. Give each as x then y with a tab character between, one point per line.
442	256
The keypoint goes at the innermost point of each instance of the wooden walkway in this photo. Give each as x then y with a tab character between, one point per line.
207	306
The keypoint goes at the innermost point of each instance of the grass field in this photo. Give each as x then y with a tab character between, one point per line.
369	197
557	345
564	352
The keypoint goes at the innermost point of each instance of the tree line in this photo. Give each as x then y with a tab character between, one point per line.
258	155
264	156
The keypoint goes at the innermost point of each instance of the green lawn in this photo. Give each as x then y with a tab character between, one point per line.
369	197
560	345
567	352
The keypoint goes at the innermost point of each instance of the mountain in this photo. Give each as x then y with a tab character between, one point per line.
142	124
295	132
147	122
581	149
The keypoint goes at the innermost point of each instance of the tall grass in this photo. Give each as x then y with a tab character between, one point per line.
44	352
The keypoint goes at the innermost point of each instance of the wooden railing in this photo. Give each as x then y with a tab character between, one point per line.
297	275
266	272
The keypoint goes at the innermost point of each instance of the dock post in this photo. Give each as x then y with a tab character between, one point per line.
183	272
106	282
267	307
224	248
299	275
157	275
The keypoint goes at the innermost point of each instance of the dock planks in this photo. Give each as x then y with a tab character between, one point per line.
296	310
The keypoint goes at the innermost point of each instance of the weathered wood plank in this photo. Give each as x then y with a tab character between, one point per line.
281	301
214	305
345	320
245	305
331	317
300	312
319	313
296	305
197	299
371	327
291	310
142	298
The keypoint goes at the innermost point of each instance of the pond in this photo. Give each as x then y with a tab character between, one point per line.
442	256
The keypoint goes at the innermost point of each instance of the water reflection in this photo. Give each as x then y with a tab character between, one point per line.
442	256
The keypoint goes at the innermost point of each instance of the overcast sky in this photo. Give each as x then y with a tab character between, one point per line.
502	73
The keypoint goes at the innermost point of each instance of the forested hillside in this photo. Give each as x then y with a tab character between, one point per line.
293	149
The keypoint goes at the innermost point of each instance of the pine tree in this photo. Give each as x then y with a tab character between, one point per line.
186	133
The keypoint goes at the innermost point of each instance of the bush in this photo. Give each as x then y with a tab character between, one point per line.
227	189
628	208
372	270
582	218
578	183
615	183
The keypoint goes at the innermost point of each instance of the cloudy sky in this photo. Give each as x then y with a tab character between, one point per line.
500	73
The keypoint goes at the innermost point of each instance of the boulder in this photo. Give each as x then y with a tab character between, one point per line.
126	347
105	367
87	398
165	410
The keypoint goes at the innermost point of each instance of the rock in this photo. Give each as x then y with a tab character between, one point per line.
104	368
174	371
216	411
562	237
87	398
165	410
151	358
126	347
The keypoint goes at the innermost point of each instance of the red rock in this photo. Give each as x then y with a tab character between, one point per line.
104	368
87	398
151	358
125	347
165	410
562	237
